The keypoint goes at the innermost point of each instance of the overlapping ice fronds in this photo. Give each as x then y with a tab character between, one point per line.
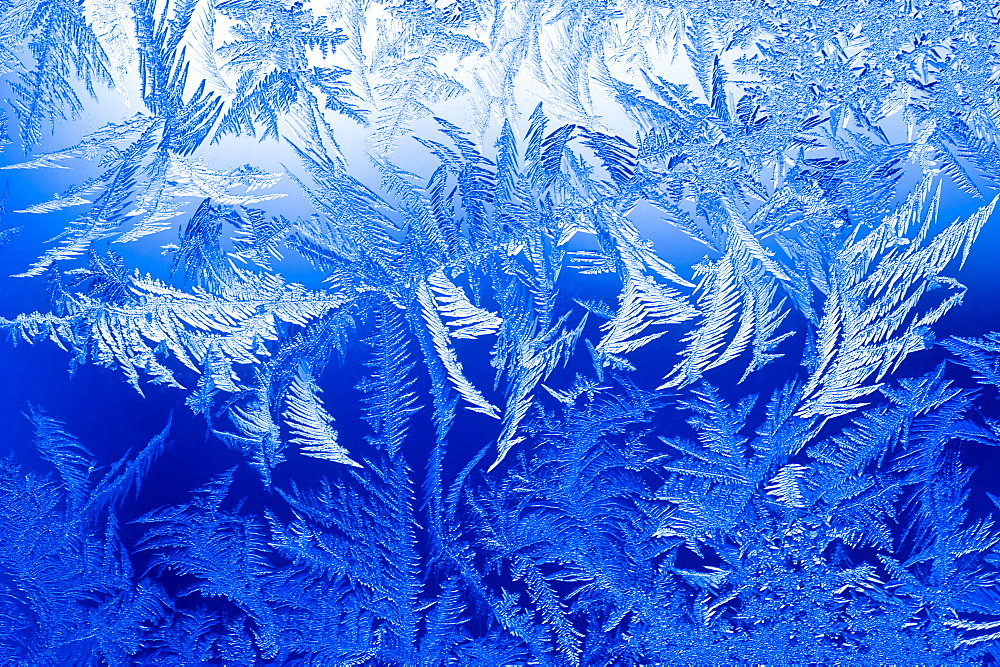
537	332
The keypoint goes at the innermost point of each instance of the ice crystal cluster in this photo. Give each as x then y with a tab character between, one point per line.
500	332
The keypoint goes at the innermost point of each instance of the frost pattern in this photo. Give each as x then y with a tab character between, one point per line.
755	451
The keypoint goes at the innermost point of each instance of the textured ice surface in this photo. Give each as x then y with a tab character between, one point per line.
512	332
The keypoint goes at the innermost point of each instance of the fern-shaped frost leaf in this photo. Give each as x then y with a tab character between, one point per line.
310	423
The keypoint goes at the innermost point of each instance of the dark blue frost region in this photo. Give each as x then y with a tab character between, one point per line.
510	332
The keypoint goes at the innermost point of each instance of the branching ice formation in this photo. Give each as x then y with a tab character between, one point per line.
686	265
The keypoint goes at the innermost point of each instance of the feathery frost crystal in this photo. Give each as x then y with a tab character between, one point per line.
616	332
